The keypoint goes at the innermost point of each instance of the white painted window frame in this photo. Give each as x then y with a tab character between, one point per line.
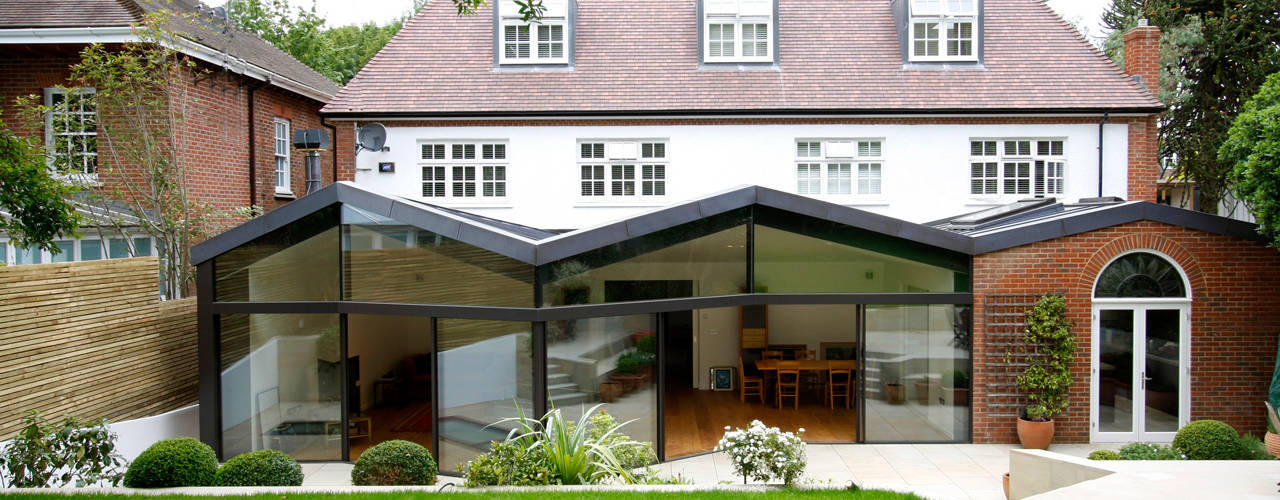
282	177
738	20
556	14
478	165
942	16
1002	157
855	160
77	248
612	161
81	176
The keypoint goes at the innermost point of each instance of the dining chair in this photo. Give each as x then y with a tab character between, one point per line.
840	382
749	385
789	386
806	355
772	355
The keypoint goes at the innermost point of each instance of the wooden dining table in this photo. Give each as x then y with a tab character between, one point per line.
767	366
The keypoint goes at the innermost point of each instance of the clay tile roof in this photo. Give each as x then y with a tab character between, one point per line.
106	13
834	56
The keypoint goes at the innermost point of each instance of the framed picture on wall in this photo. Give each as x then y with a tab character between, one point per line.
722	378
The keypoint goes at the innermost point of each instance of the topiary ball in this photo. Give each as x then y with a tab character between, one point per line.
1208	440
260	468
172	463
394	463
1105	455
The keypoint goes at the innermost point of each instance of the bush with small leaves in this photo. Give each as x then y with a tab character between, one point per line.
1105	455
172	463
394	463
508	464
260	468
1209	440
1149	451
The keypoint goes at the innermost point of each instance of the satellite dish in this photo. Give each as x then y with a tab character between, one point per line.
371	137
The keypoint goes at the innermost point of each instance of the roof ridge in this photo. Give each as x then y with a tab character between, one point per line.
133	7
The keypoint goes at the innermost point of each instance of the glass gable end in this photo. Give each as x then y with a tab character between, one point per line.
385	260
799	254
294	263
698	259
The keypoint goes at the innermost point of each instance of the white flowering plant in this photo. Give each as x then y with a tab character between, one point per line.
764	453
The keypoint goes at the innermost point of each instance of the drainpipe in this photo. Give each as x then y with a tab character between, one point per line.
253	146
1100	124
333	134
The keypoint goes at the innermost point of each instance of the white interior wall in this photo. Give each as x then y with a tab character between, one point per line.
543	173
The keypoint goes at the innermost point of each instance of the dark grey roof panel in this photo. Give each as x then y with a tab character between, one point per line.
447	227
792	203
863	219
727	201
510	227
576	242
663	219
1202	222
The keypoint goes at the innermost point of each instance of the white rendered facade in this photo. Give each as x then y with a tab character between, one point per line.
924	172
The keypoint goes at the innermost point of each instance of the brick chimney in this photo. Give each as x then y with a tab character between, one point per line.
1142	60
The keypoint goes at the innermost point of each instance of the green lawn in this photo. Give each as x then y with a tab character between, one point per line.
568	495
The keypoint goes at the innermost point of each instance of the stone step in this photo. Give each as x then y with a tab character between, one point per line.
556	378
571	398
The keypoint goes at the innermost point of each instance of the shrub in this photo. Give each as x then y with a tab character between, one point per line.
1208	440
1105	455
260	468
394	463
764	453
1048	340
1149	451
574	453
630	454
1254	449
70	454
171	463
508	464
648	344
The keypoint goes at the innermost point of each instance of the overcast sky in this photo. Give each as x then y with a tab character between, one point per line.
340	12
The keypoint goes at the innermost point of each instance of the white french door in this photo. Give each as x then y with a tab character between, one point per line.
1141	370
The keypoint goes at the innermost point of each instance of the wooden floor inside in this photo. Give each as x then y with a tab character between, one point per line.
695	420
383	419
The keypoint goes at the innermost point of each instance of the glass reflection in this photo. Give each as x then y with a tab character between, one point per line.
296	262
606	360
1115	371
917	373
486	368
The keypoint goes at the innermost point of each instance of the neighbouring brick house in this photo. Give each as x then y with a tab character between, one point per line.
554	196
236	140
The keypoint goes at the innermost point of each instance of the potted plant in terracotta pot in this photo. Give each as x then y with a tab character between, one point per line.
925	388
957	382
1272	439
894	392
1048	346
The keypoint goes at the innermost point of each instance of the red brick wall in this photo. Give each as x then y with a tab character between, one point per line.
1235	287
214	136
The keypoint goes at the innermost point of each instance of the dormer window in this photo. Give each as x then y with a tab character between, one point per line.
737	31
545	41
944	30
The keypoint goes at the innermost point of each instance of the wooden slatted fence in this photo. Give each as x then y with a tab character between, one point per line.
93	339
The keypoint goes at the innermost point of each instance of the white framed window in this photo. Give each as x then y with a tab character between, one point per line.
737	30
473	171
943	30
84	249
839	167
622	170
71	130
1017	166
545	41
281	140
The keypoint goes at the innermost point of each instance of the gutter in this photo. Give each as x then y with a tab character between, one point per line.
125	34
761	113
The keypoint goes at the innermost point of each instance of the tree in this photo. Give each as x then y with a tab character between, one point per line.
1252	149
1238	46
337	53
39	203
141	94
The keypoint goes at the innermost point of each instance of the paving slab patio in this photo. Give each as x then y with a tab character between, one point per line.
934	471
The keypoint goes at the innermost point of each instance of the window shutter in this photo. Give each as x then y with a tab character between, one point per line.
724	7
622	150
755	7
